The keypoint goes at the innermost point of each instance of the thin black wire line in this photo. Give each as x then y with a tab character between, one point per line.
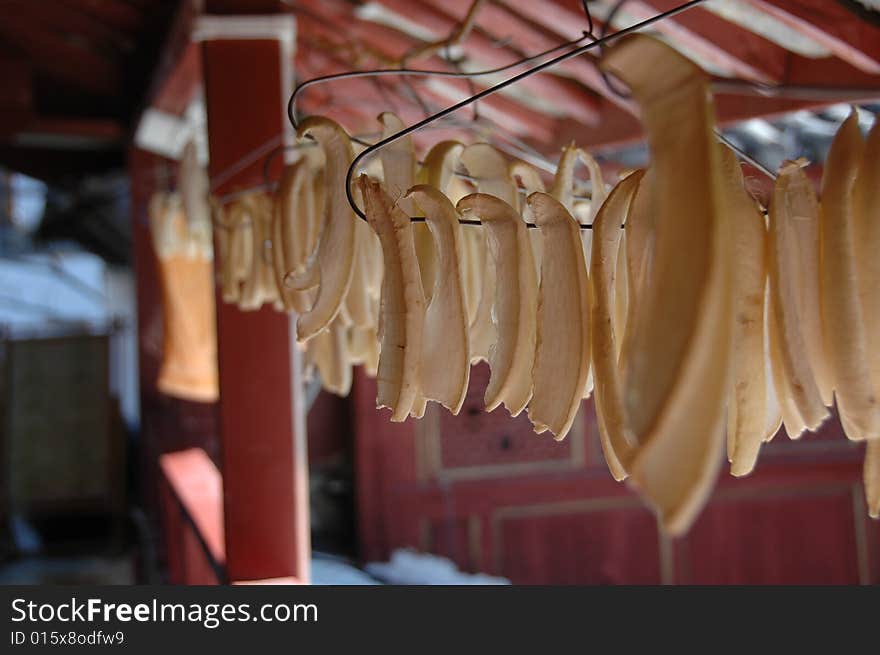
745	156
291	104
370	150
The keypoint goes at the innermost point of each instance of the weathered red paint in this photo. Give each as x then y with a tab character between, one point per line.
262	500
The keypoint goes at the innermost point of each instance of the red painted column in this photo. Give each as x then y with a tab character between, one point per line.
265	474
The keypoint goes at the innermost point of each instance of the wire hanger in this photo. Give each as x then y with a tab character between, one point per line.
372	149
271	149
383	72
517	148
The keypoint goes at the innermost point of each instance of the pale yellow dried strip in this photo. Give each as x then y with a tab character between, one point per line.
515	302
866	233
679	368
791	417
563	191
336	249
562	349
332	358
289	234
490	169
358	299
803	391
363	346
773	417
747	405
638	257
445	362
254	290
842	317
621	295
803	265
402	305
616	446
531	181
400	169
530	178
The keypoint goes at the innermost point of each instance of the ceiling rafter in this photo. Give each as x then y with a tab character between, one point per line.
505	21
117	14
568	96
508	114
854	40
71	63
69	23
726	45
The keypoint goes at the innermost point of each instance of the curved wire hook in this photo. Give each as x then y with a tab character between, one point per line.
589	16
370	150
291	104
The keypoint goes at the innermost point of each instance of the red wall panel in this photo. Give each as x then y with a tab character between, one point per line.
545	516
799	535
580	546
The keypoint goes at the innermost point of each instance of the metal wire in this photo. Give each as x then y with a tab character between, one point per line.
291	104
745	156
246	161
523	151
371	150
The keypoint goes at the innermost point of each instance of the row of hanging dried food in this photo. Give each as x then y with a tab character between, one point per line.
701	317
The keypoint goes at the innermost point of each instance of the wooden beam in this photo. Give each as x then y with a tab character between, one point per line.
58	58
251	7
567	96
565	19
529	37
59	166
177	72
198	487
265	472
100	129
367	96
441	92
103	132
831	72
720	42
507	113
367	39
846	35
182	83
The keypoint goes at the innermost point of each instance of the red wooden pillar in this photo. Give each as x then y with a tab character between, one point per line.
265	472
